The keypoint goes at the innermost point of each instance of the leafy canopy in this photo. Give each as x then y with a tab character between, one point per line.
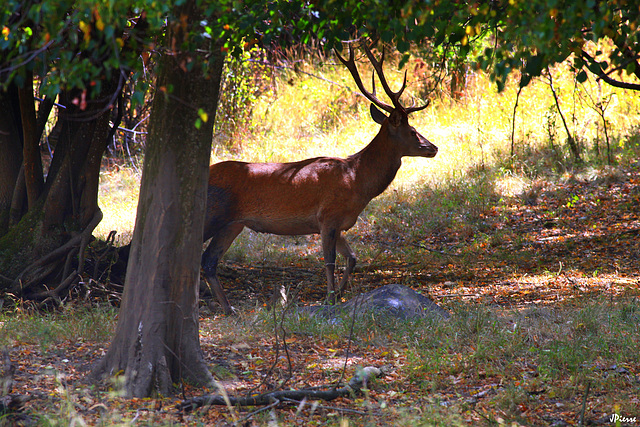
77	43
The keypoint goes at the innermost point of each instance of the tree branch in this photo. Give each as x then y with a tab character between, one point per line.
605	77
55	293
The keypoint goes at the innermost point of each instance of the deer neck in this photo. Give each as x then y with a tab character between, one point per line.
376	166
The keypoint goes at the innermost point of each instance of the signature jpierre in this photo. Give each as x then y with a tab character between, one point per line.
615	418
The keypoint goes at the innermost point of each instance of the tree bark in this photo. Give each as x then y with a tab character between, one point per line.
30	142
10	152
156	343
72	193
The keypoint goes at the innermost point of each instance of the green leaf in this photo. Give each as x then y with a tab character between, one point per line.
582	76
402	46
631	68
525	79
457	35
203	115
534	65
404	60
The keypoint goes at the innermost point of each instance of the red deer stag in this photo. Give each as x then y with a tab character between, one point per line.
322	195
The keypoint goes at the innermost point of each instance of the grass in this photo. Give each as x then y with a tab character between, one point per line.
47	330
118	200
500	363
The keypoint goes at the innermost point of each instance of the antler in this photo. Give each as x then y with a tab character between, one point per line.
353	69
371	96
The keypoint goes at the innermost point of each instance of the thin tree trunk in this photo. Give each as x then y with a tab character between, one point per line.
10	152
30	145
156	343
513	120
570	140
606	138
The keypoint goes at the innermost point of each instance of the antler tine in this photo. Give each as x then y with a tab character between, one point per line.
373	83
414	109
377	65
353	69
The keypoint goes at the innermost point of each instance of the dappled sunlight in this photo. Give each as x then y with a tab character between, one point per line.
512	186
469	205
522	291
118	200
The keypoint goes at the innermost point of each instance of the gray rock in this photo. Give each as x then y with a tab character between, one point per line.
390	301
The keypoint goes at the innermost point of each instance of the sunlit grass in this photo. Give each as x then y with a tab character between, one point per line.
312	117
118	200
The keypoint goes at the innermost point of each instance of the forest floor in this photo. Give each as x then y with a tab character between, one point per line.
564	249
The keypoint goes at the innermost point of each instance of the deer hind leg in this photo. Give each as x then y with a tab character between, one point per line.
218	246
350	257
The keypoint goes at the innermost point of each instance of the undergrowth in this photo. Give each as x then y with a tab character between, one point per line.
74	323
520	354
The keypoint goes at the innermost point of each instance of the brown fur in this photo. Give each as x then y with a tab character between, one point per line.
323	195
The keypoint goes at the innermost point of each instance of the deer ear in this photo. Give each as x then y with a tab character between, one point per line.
377	115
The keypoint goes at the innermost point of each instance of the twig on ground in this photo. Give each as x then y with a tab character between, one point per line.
418	245
359	380
584	403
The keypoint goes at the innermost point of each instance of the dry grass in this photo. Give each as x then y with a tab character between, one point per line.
118	199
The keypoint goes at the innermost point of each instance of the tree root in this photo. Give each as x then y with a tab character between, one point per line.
5	279
45	266
55	293
356	384
12	403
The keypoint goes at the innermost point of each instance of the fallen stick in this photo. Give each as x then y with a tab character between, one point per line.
359	381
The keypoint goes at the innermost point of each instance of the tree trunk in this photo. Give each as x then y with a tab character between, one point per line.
49	223
573	146
73	193
61	210
10	152
156	343
30	142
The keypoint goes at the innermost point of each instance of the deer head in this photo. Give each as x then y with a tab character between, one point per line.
408	141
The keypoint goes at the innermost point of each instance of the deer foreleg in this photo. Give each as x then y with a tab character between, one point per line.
345	250
329	238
